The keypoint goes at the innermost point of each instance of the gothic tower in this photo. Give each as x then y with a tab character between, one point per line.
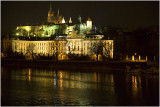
70	21
89	24
63	21
50	14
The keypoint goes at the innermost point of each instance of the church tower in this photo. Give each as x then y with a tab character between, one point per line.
89	24
50	14
70	21
80	19
63	21
58	13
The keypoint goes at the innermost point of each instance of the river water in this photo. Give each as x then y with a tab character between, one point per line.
31	87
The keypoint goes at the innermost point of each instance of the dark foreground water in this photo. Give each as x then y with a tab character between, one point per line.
59	87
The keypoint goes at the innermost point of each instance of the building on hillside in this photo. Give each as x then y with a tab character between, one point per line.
59	37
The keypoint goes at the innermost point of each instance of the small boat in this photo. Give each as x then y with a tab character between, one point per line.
135	69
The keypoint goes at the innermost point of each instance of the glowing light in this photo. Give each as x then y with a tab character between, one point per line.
94	57
127	57
61	75
70	21
29	74
61	80
17	34
139	57
27	29
133	57
63	21
146	58
134	85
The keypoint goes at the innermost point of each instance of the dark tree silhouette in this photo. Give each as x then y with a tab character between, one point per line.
30	50
99	48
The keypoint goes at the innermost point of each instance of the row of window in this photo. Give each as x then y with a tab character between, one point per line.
57	44
42	44
60	46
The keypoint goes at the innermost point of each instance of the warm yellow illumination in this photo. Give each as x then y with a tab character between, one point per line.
133	57
61	80
127	57
63	21
139	57
29	74
17	34
27	28
61	75
99	57
146	58
94	57
89	24
70	21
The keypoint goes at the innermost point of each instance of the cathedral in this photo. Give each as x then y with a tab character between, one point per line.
55	19
60	37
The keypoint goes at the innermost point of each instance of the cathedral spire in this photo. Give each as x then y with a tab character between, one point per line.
70	21
50	6
63	21
58	12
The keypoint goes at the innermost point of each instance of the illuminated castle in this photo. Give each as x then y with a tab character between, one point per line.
59	37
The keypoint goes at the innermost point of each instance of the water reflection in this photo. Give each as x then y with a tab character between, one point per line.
57	87
29	74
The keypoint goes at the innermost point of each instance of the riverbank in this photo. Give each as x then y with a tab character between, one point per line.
80	65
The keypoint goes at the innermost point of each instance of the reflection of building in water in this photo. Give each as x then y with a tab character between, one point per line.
135	82
58	36
61	79
83	80
29	74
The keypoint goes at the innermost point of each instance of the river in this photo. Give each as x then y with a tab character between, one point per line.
43	87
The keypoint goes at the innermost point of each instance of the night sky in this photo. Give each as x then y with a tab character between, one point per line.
109	13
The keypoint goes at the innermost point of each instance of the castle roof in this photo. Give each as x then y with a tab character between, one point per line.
89	19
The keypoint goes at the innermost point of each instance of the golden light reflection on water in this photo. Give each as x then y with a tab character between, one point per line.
65	79
61	79
136	85
65	87
134	82
29	74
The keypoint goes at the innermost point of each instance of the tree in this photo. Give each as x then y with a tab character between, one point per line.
71	49
99	48
30	50
9	52
54	49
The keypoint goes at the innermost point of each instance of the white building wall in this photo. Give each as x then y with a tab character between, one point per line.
50	47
